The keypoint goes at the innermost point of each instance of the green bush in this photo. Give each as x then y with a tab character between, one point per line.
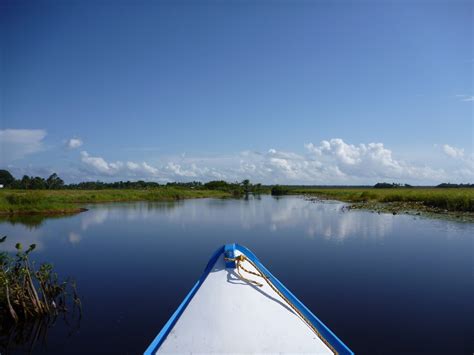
279	190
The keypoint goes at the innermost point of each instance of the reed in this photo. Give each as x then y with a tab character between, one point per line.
456	200
28	293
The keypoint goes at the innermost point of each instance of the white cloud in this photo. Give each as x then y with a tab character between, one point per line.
178	170
330	162
99	165
74	143
453	152
466	98
17	143
143	168
460	164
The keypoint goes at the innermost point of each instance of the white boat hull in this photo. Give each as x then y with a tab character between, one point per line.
227	313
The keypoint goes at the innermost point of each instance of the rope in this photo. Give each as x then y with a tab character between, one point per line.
238	262
240	259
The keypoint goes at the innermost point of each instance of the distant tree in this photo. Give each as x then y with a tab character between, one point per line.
192	184
37	183
217	185
384	185
54	182
246	185
234	188
279	190
6	179
140	184
450	185
25	182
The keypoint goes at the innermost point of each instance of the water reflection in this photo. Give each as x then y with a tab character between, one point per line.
143	211
21	234
118	254
30	336
30	221
94	217
324	219
74	238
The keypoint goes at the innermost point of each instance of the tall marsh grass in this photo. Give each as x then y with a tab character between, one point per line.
445	199
64	201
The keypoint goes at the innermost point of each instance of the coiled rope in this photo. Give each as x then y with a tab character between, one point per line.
242	258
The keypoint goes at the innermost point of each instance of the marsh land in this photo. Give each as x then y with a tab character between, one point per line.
14	202
449	202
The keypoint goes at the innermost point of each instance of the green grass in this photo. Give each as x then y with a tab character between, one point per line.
70	201
459	200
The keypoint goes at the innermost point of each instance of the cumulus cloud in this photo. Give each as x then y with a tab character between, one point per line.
178	170
364	160
453	152
17	143
142	168
170	171
74	143
100	165
460	164
330	162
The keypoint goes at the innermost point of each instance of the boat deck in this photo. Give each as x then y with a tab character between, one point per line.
230	315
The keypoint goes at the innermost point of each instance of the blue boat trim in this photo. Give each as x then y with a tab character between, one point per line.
229	252
325	332
230	249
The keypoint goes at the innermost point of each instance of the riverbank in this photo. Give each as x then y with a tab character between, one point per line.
448	202
57	202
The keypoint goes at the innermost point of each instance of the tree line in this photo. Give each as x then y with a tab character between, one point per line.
54	182
458	186
386	185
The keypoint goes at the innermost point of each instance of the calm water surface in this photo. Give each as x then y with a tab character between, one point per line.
384	284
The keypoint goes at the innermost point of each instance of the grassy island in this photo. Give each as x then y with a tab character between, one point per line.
14	202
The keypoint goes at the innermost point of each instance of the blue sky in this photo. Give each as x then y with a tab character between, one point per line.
276	91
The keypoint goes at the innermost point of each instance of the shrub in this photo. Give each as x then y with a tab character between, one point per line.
279	190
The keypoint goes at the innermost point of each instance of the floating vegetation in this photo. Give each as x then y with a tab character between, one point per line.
436	200
29	293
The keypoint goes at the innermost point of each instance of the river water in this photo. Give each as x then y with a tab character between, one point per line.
385	284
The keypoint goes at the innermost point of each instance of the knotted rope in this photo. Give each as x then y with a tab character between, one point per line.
238	263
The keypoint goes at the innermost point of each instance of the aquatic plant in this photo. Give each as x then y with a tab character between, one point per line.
28	293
